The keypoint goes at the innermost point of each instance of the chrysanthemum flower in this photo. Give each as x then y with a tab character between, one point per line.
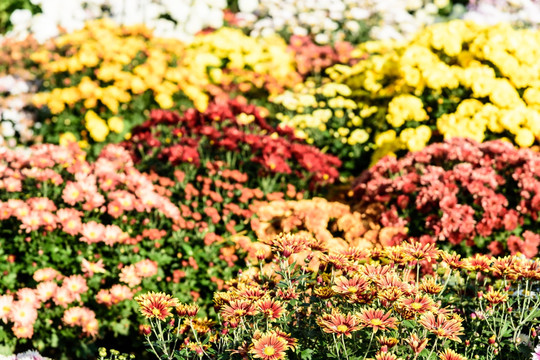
23	314
269	346
441	326
377	319
337	323
418	304
6	304
478	262
288	244
453	260
415	250
349	287
270	308
416	344
237	309
429	285
495	296
386	356
156	305
448	354
387	341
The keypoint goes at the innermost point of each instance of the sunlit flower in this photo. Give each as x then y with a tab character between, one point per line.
156	305
495	296
269	346
337	323
418	304
449	354
237	309
270	308
416	344
441	326
377	319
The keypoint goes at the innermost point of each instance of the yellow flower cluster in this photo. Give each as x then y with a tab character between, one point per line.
324	111
228	56
106	68
457	78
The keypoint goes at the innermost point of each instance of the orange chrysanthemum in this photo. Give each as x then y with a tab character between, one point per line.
386	356
377	319
429	285
495	297
270	308
337	323
416	344
453	260
417	251
418	304
156	305
237	309
349	287
441	326
448	354
269	346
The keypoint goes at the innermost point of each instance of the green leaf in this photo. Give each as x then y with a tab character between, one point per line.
306	354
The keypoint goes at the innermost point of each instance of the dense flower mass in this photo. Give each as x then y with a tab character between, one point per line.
178	19
97	76
479	83
485	197
121	231
256	181
354	294
333	20
234	132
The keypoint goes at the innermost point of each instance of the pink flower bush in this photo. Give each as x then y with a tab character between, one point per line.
483	197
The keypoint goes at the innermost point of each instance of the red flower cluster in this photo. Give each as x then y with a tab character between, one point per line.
312	58
230	130
459	191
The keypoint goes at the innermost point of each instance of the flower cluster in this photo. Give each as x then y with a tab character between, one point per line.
335	20
326	116
97	75
332	224
453	79
234	132
179	19
312	59
358	303
483	196
85	237
522	13
227	62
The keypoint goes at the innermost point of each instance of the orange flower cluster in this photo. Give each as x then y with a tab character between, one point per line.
355	293
332	225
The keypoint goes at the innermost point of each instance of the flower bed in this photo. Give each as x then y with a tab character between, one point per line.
237	134
473	84
85	237
477	197
357	304
100	81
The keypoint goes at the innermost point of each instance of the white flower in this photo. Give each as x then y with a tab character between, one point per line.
21	17
248	6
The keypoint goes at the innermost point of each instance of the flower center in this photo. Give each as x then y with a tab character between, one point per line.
269	350
376	322
156	311
342	328
416	306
